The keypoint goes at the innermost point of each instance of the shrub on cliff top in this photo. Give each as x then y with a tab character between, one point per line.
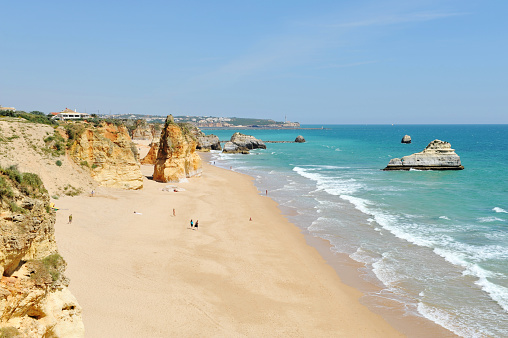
73	131
28	183
34	116
53	264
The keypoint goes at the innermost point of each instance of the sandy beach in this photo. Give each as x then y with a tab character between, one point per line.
139	271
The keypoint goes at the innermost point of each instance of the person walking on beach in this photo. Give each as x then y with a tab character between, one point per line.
174	212
70	219
196	225
191	224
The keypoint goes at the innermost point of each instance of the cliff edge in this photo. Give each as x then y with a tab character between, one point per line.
34	298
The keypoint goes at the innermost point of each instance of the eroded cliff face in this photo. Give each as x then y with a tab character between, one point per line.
145	131
176	157
34	298
111	156
151	156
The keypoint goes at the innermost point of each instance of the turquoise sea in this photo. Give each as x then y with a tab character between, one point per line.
437	242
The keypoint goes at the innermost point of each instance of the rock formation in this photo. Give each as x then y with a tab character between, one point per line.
110	154
208	142
406	139
299	139
34	298
176	157
141	131
151	156
438	155
241	143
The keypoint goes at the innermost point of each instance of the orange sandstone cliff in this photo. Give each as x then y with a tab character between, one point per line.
110	154
176	156
34	298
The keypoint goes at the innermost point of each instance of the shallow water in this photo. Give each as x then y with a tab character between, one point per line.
438	241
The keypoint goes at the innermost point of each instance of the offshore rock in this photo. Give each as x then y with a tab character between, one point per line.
34	297
299	139
230	147
438	155
406	139
111	156
208	142
243	143
176	157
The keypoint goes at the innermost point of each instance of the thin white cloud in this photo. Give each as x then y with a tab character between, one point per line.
393	19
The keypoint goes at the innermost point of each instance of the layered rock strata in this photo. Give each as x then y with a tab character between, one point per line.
438	155
241	143
111	156
34	297
208	142
176	158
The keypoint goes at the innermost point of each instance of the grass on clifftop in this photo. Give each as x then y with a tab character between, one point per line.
34	116
28	183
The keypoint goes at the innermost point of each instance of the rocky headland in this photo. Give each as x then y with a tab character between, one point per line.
438	155
34	298
176	157
108	151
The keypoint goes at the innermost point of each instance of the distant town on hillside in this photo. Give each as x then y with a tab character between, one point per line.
210	121
199	121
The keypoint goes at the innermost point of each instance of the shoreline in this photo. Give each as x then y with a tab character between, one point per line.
137	270
349	273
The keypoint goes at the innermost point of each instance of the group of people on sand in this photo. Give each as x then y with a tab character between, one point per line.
193	225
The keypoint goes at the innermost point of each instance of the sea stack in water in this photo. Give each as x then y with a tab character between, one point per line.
208	142
176	157
438	155
406	139
241	143
299	139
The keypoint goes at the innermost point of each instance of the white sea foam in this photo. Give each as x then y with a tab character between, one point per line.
338	149
332	185
384	273
444	217
498	209
497	292
447	321
489	219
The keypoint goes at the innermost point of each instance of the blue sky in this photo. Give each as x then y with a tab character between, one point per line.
418	61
